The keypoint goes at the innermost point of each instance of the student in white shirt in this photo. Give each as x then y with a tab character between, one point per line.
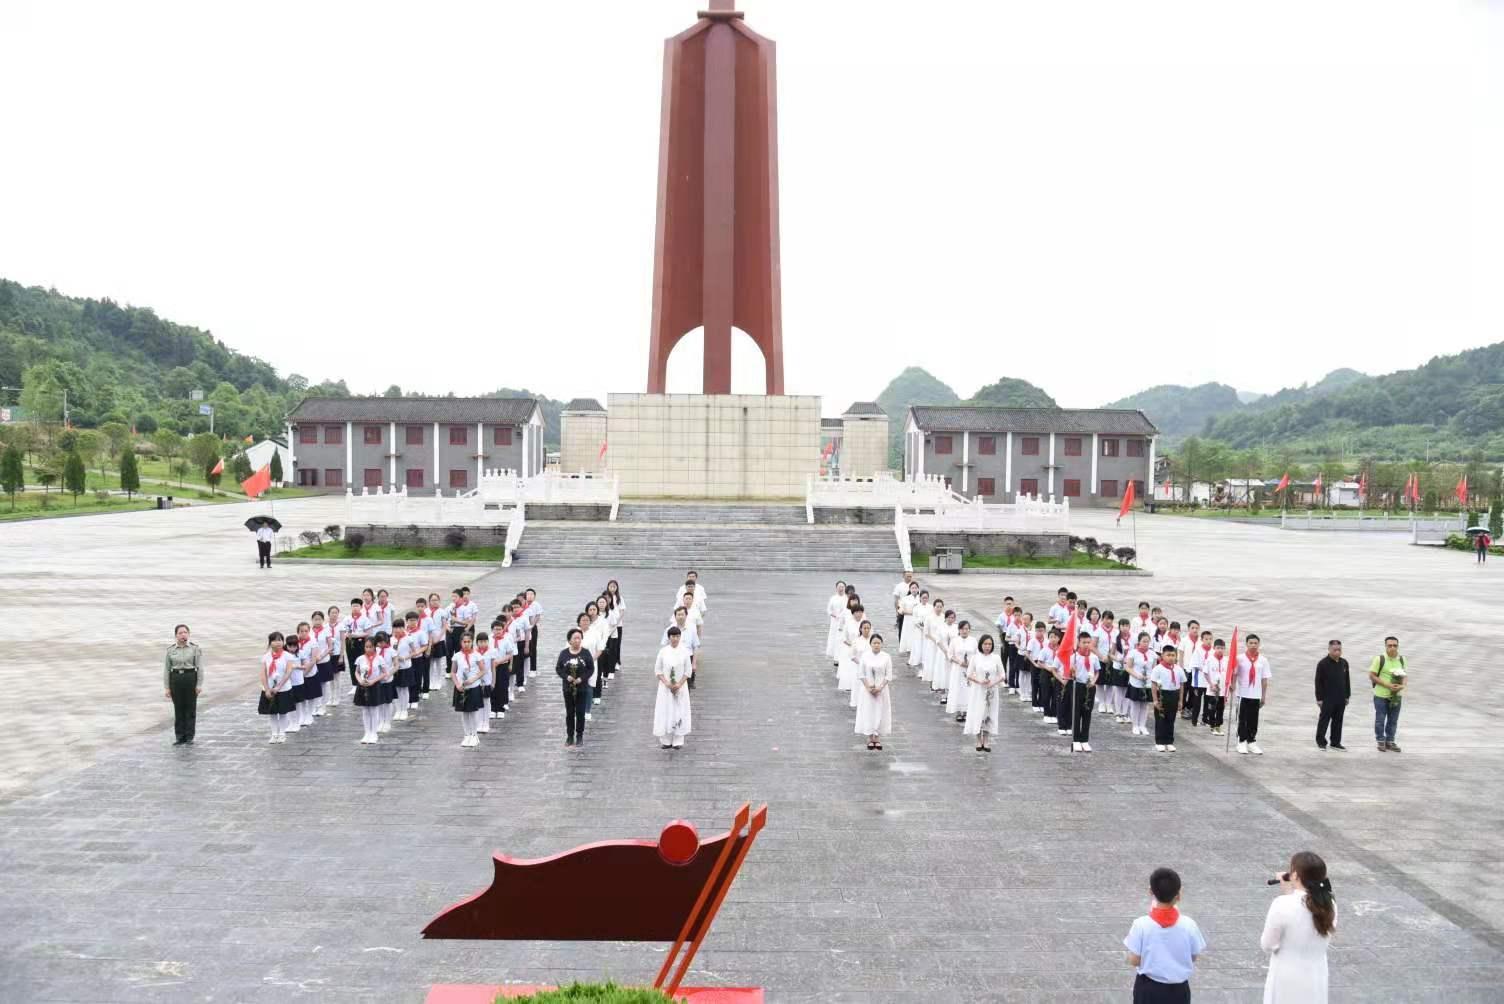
1037	653
900	590
504	648
382	613
1252	690
1097	626
485	656
402	669
1193	658
1165	681
1214	675
465	672
336	626
1085	672
320	640
522	634
1117	683
438	636
694	617
987	678
366	671
921	630
534	613
671	711
1138	663
417	639
276	700
355	628
908	609
874	705
962	647
299	689
619	612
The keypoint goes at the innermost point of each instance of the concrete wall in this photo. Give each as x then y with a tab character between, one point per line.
966	448
864	446
870	517
567	511
581	434
324	456
729	446
430	536
1051	545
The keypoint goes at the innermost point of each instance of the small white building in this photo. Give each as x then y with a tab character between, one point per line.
1175	491
1343	493
260	455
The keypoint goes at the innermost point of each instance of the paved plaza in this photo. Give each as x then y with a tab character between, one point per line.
238	871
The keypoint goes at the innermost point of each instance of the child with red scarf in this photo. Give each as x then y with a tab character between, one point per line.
1164	945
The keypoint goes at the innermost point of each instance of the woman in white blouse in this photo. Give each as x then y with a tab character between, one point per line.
1297	932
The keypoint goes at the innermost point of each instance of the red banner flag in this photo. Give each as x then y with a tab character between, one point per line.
1462	491
258	482
1316	487
1127	502
603	451
1232	664
219	468
1363	486
1068	645
1284	483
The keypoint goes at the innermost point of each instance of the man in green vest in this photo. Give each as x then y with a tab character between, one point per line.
1387	674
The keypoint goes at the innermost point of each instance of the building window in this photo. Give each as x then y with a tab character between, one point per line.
415	477
1072	446
1138	488
372	435
986	486
1073	487
459	478
1109	447
1135	447
1031	446
414	435
943	445
308	434
334	435
987	445
1109	489
308	478
459	435
1029	486
502	435
373	477
334	477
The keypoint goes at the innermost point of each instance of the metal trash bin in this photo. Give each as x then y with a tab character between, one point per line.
161	502
947	559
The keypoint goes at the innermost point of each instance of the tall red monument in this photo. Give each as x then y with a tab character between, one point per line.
716	258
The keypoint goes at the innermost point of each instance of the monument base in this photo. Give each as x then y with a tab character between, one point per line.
713	446
478	993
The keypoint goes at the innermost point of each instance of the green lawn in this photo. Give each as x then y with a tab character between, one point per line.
1076	559
374	552
592	993
30	505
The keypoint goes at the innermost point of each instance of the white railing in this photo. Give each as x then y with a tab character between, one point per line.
399	508
551	487
1030	514
901	532
514	534
880	492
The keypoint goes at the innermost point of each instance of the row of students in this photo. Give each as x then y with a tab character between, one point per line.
489	669
677	663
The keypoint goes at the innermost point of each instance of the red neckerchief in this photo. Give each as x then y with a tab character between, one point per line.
1174	680
1164	916
1253	667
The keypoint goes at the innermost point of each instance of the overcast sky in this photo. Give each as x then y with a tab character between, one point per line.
1094	196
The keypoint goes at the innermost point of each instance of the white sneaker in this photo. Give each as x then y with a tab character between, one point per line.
484	727
1075	747
1170	748
400	716
1086	747
465	743
1242	747
1254	749
495	715
293	728
1062	732
522	689
1158	748
272	740
587	716
384	728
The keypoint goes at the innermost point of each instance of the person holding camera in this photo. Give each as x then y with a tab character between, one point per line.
1387	674
1297	932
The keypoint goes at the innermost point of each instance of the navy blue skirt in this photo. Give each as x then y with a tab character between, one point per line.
366	697
468	700
282	703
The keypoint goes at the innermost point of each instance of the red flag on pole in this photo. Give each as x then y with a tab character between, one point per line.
219	468
1284	483
1068	644
1232	663
1363	486
1316	488
258	482
1462	491
602	455
1127	502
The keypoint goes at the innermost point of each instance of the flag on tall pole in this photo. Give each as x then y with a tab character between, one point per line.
258	482
1231	674
602	455
1127	503
1362	488
1462	492
219	468
1284	483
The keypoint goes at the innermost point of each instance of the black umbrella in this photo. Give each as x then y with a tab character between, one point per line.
257	522
1475	530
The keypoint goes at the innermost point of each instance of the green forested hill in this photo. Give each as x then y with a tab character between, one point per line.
918	386
1179	411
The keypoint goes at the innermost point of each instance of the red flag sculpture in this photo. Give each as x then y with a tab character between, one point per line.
1363	487
668	889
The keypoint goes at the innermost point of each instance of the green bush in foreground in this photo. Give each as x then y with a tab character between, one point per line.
592	993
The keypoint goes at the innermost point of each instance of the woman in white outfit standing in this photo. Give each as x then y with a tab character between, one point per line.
907	606
835	615
985	674
671	711
874	703
1297	931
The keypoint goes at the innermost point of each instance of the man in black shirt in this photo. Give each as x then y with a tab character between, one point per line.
1333	688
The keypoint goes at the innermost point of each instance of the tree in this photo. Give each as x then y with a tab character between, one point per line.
240	466
130	475
203	452
168	443
276	467
12	473
46	477
90	444
392	391
145	424
117	437
73	475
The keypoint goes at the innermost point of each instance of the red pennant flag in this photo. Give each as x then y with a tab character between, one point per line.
1068	644
258	482
1316	488
1127	502
219	468
1363	486
1284	483
1462	491
603	451
1232	663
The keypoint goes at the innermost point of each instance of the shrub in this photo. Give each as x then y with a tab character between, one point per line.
101	496
1089	545
332	532
1076	543
1015	547
592	993
1126	555
355	541
1104	549
454	539
310	538
1030	546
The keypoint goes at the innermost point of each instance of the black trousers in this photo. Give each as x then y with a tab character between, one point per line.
1081	699
1037	678
1164	722
532	652
499	692
184	704
419	676
423	666
1147	991
1194	698
1051	694
1212	709
1248	719
576	703
354	647
1331	715
263	554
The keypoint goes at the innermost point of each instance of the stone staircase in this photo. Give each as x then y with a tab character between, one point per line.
792	547
782	514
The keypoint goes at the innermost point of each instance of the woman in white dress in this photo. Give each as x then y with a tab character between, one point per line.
874	705
906	606
916	646
671	713
962	647
934	627
835	610
985	674
945	632
853	666
1297	931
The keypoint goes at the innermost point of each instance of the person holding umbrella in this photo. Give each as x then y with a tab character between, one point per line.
1481	542
265	528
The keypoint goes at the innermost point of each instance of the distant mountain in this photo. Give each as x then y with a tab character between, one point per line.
551	409
913	386
1334	381
1249	396
1452	406
1179	411
1010	392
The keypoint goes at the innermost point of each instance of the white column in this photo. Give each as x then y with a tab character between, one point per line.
1050	479
1096	489
392	446
965	460
919	452
292	456
349	453
436	483
480	453
526	456
1149	481
1008	466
